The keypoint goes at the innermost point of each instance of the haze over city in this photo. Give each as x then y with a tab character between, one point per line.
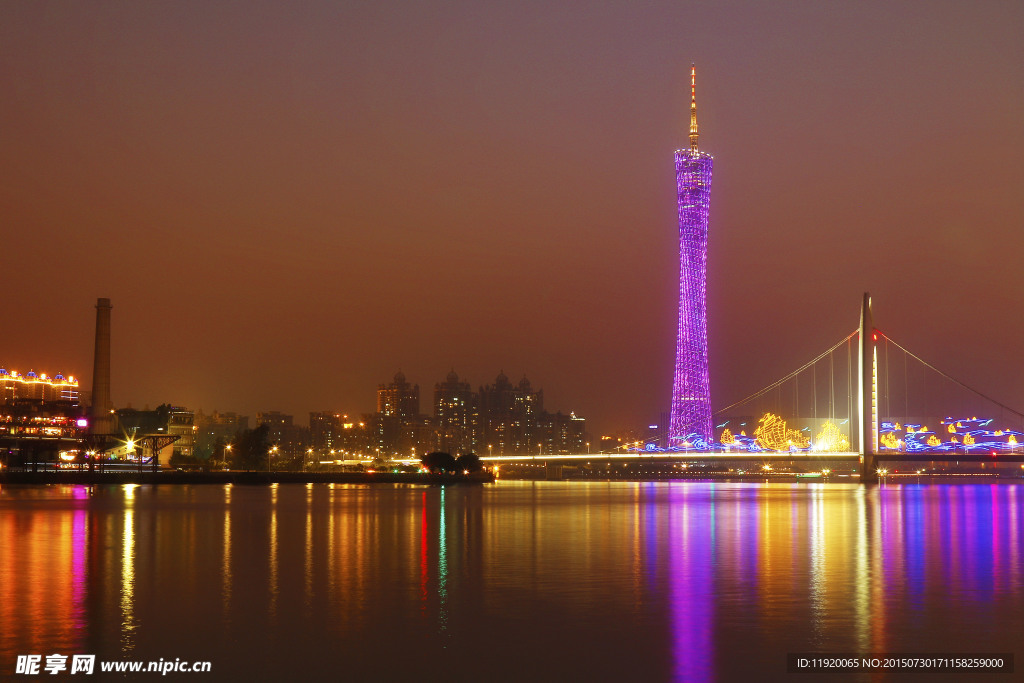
289	204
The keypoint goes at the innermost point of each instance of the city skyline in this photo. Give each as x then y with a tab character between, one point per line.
298	201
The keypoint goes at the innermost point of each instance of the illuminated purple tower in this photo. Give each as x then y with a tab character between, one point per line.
690	418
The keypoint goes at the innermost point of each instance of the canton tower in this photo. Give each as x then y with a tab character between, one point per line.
690	418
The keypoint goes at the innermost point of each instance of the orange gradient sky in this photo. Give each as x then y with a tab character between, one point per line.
287	202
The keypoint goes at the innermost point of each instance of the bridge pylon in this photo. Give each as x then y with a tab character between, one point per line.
867	405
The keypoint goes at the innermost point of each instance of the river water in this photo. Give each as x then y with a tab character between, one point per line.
512	581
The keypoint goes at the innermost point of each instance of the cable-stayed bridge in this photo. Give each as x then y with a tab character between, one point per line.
867	399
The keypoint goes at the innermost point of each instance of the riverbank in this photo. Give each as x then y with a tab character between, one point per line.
239	477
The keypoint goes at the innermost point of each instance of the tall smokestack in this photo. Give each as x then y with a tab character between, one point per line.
102	421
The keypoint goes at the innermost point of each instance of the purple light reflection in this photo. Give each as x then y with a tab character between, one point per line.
691	583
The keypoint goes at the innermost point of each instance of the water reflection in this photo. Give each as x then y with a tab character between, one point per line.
692	556
226	578
273	550
644	581
128	622
307	572
442	573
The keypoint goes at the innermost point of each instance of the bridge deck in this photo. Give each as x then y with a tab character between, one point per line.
758	457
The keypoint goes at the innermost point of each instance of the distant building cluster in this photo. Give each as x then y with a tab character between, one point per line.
502	418
497	419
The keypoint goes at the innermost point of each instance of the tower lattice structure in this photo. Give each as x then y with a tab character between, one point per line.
690	416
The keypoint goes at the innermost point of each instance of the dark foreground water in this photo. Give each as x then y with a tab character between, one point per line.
513	581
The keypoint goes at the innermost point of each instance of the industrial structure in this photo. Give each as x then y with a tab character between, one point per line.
690	416
101	412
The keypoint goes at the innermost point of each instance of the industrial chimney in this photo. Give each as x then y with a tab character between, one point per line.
101	420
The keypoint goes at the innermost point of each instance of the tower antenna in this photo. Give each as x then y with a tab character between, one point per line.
693	108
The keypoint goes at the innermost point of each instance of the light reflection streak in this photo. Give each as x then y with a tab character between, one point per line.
998	570
226	579
912	531
818	584
273	550
79	574
358	523
128	622
1014	562
332	562
308	565
424	525
442	575
877	571
764	547
862	579
637	550
975	552
691	556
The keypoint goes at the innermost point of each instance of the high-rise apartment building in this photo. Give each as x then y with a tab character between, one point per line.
337	435
509	415
455	415
399	399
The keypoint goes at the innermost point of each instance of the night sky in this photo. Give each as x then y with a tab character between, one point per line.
289	201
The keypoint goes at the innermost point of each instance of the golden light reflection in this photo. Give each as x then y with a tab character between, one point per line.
819	577
43	572
226	578
332	550
128	622
861	587
273	550
876	572
637	564
308	559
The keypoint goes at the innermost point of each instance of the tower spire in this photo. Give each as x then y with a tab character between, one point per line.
693	108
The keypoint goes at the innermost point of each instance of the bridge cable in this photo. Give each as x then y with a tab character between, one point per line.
955	380
906	389
849	381
832	386
888	407
778	383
